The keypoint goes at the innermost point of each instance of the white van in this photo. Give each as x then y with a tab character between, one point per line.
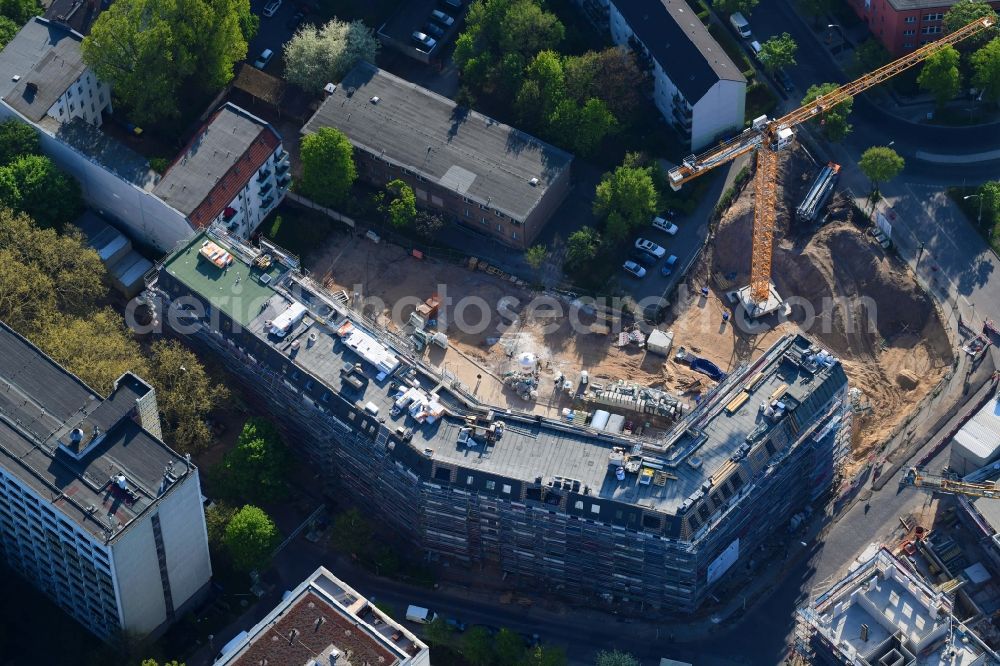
740	24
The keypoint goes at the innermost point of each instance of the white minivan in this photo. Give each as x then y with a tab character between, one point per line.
740	24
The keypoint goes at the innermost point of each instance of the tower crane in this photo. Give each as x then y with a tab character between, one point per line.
767	136
949	484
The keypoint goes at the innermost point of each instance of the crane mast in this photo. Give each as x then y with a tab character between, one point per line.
768	136
947	484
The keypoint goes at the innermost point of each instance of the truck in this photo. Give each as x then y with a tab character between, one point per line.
740	24
420	615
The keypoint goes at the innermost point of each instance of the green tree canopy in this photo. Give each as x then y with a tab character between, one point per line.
17	139
615	658
626	198
833	123
477	646
729	6
258	465
19	11
815	9
964	12
8	29
398	203
880	164
27	295
611	75
438	632
328	169
778	52
546	655
870	55
217	516
939	75
986	70
250	538
536	255
151	51
315	56
989	193
33	184
508	647
581	248
185	394
352	533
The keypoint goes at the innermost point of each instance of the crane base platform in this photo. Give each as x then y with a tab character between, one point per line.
755	310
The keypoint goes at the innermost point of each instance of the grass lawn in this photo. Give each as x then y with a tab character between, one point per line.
990	232
299	230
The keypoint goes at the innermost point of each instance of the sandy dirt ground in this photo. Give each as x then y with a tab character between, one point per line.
858	302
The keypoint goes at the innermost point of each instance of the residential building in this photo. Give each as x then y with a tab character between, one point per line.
696	86
233	172
95	510
596	517
126	267
44	82
325	621
476	171
905	25
884	613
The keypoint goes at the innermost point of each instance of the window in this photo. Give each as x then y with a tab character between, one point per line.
484	207
491	485
485	221
506	489
908	45
595	509
578	505
466	200
499	228
909	33
467	213
910	19
69	93
468	480
499	214
934	17
513	235
72	107
930	30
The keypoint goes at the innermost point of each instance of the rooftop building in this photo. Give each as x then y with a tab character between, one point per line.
883	613
487	175
769	436
325	621
977	443
95	510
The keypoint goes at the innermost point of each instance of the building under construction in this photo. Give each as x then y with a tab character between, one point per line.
591	515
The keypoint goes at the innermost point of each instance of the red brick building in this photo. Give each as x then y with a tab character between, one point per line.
904	25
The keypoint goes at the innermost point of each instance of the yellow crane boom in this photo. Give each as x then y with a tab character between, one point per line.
767	136
944	484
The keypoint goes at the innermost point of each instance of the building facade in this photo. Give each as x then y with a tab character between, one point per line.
95	510
696	86
904	25
589	515
478	172
328	620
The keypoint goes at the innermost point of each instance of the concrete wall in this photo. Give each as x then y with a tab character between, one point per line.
137	578
719	111
185	540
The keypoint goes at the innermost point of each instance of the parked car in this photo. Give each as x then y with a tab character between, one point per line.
784	80
423	40
434	29
296	21
641	258
271	8
457	625
420	615
442	18
634	269
740	24
668	266
665	226
263	59
649	247
880	237
755	47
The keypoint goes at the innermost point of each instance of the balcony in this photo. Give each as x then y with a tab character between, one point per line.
281	168
284	181
265	188
267	202
263	175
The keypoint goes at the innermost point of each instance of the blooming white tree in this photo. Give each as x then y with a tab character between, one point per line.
317	56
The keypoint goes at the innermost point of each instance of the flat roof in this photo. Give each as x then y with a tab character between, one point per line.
980	435
710	443
677	39
45	53
41	403
322	615
462	150
217	163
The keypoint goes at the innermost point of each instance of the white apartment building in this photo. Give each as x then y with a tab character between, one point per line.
696	86
95	510
233	172
322	622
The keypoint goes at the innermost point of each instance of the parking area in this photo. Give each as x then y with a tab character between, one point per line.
422	29
275	30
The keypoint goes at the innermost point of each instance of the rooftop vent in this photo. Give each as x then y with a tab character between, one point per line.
375	99
330	88
534	182
15	78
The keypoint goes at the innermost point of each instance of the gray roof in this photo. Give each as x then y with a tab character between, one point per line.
531	447
110	153
47	59
220	146
462	150
676	38
40	403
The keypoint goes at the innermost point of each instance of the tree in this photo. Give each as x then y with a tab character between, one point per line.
870	55
438	632
352	533
98	349
153	662
317	56
593	123
611	76
939	75
615	658
986	70
42	191
542	91
27	295
477	646
20	11
17	139
328	169
151	51
546	655
258	465
989	193
815	9
581	247
185	394
250	538
833	122
626	198
730	6
217	516
778	52
508	647
964	12
400	207
8	29
536	255
880	164
428	224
